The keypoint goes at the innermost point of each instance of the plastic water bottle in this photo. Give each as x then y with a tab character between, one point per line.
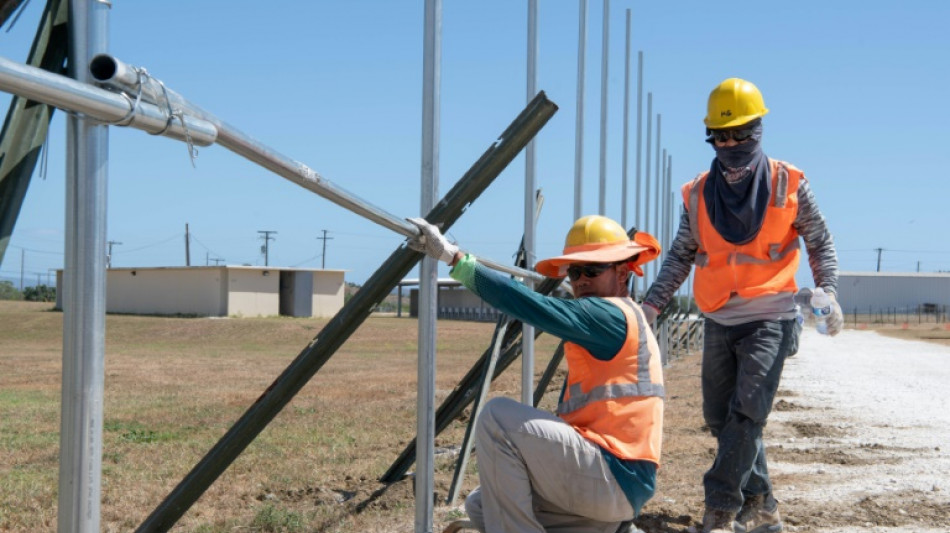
821	306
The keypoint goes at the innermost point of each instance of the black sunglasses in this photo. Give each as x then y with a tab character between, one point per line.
724	135
591	270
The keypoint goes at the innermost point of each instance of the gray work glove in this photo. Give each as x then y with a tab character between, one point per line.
431	241
835	320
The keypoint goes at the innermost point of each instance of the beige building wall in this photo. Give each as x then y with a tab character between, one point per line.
328	289
166	291
253	292
238	291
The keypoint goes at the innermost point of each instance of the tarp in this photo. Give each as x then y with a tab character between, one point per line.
24	129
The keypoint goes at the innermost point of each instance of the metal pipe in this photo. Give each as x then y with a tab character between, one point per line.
656	215
605	47
579	120
84	296
483	389
346	321
661	202
428	269
100	104
116	73
669	201
626	129
527	349
646	174
638	216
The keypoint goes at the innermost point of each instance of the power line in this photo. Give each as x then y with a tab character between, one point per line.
323	261
109	255
266	237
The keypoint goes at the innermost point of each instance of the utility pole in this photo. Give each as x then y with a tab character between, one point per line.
879	250
323	256
187	246
109	255
266	236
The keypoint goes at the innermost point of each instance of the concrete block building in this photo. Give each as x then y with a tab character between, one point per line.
224	290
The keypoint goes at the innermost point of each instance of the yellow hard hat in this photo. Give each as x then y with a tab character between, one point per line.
732	103
598	239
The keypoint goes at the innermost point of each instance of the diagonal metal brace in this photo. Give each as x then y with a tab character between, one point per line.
347	320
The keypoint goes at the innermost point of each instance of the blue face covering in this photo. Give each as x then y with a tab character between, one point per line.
737	209
738	156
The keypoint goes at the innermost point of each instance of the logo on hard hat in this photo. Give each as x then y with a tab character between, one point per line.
726	113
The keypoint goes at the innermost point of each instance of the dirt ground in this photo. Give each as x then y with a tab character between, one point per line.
813	448
845	455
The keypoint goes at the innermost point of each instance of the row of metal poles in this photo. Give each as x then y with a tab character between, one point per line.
143	103
653	194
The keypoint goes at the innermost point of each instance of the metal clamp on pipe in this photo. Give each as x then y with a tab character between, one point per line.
70	95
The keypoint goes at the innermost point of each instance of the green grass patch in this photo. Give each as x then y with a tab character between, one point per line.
273	519
134	432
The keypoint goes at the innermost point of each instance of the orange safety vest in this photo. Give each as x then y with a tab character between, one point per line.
618	404
766	265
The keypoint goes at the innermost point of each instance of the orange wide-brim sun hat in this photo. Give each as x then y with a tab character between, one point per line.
642	243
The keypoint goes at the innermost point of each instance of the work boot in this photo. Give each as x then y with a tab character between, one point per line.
718	521
756	517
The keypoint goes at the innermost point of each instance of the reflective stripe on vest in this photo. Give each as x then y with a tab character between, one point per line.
764	265
778	200
576	399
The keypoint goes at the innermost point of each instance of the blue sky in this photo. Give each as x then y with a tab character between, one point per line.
857	92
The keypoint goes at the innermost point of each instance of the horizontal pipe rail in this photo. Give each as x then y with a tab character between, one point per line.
114	73
345	322
70	95
160	111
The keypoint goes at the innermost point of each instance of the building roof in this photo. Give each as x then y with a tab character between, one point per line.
896	274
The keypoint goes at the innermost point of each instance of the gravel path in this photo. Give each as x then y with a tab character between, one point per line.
862	428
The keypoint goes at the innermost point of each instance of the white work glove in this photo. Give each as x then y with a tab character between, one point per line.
650	313
431	241
834	321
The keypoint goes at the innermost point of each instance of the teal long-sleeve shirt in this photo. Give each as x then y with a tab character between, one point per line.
592	323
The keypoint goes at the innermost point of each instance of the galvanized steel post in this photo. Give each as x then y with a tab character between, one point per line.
84	290
638	216
346	321
428	270
527	330
626	129
656	214
579	120
605	47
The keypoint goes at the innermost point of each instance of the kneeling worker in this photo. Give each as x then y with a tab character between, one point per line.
593	466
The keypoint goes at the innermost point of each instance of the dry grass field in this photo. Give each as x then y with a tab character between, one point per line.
173	386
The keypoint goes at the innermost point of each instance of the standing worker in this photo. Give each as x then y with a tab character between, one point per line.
591	468
741	226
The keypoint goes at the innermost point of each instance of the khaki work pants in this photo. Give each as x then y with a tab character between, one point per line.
539	475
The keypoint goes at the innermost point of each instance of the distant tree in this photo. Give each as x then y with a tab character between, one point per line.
39	293
9	292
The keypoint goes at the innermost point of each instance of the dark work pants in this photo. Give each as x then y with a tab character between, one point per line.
742	366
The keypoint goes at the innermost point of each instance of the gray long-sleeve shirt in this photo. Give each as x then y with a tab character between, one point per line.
822	258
